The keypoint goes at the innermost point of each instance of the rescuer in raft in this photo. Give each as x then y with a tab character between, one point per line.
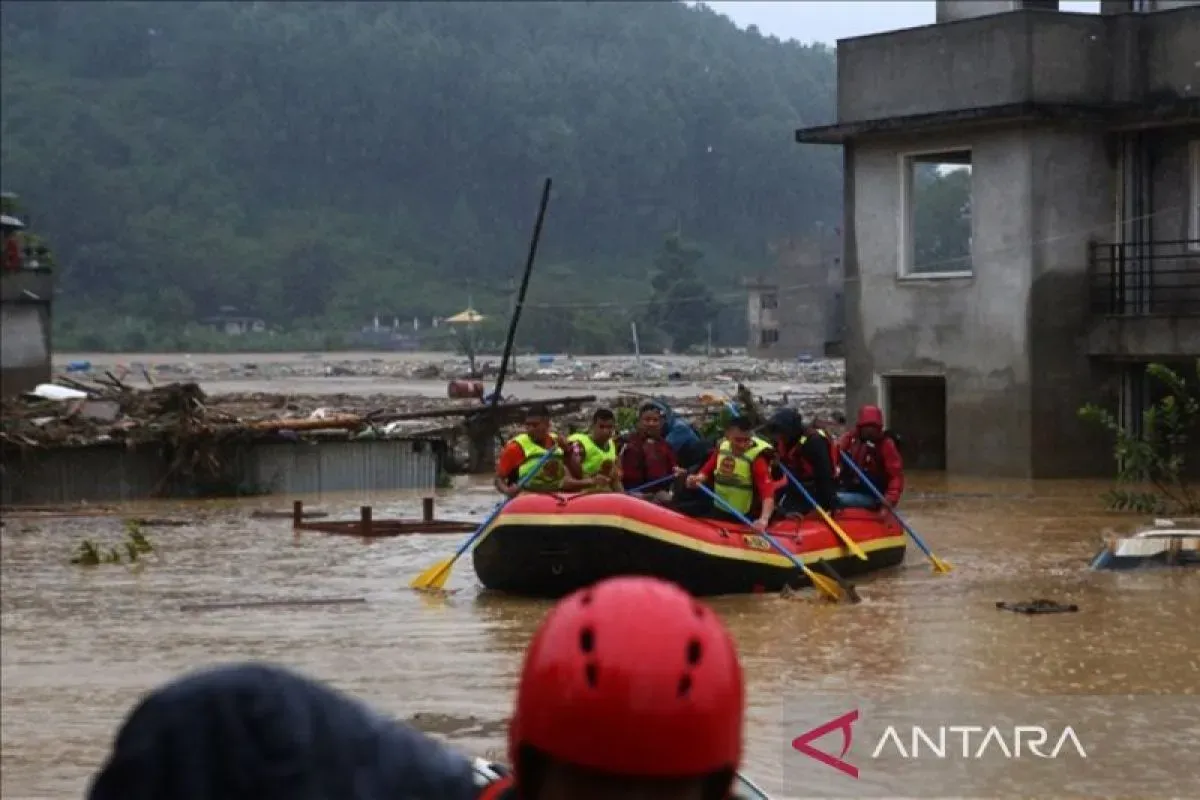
741	475
630	689
523	453
647	457
810	454
594	454
874	450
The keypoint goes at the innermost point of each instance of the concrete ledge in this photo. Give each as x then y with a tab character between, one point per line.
1029	63
1027	56
1144	338
27	286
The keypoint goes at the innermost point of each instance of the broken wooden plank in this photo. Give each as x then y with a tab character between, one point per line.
471	410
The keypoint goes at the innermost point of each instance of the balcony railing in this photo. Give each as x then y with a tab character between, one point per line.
1148	278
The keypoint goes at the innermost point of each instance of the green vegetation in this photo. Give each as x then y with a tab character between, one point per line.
317	164
90	554
1156	457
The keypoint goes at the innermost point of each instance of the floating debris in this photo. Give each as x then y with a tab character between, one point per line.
333	601
1041	606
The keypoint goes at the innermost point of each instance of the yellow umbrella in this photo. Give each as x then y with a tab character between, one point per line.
466	317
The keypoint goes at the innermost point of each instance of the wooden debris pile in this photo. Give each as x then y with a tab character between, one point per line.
110	412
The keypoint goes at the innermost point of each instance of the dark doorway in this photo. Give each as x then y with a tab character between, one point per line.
917	413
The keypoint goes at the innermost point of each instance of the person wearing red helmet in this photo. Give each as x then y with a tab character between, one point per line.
629	689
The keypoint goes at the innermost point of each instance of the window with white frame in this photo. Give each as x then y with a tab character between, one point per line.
935	238
1194	197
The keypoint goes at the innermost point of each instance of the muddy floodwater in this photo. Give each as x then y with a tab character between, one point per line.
81	645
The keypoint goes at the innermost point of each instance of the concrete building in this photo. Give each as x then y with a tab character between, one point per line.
1082	262
796	309
26	295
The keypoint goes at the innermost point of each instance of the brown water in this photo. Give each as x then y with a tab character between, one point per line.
80	645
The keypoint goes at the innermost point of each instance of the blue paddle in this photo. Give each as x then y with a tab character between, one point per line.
938	564
823	584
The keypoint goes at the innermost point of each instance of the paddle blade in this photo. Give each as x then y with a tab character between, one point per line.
938	564
433	578
853	547
824	585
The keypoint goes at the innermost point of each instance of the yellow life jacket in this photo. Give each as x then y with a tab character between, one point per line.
594	456
550	477
734	476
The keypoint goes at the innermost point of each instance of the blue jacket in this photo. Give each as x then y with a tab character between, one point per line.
256	732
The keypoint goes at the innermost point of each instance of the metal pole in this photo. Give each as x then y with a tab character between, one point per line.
520	304
637	349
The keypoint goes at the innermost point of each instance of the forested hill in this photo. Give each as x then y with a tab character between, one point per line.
316	164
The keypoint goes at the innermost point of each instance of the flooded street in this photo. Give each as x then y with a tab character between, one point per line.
81	645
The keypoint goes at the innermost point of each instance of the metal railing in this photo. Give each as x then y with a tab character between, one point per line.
1146	278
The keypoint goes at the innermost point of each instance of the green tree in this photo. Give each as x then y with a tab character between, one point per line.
1156	455
941	219
314	163
682	306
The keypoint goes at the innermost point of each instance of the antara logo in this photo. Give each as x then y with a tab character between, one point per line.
843	723
970	742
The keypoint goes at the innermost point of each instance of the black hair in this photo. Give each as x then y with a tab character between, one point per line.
648	406
604	415
537	411
739	423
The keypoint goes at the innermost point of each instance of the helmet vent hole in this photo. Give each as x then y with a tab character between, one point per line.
585	599
587	640
592	673
698	610
685	685
694	651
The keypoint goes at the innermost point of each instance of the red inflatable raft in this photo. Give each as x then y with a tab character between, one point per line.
545	545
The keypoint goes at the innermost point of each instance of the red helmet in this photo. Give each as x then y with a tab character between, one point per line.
632	677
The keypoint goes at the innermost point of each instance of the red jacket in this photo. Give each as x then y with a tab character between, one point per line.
794	457
497	790
644	460
879	460
12	252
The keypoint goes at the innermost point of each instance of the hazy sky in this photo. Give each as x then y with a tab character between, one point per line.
828	21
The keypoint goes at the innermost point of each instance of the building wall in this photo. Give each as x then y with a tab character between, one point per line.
25	348
806	284
971	330
1073	189
1019	58
1012	342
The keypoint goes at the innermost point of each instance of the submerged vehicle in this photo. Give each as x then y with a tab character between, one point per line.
1164	544
548	545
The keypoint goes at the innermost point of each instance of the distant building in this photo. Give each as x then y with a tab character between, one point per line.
232	323
796	309
1082	259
